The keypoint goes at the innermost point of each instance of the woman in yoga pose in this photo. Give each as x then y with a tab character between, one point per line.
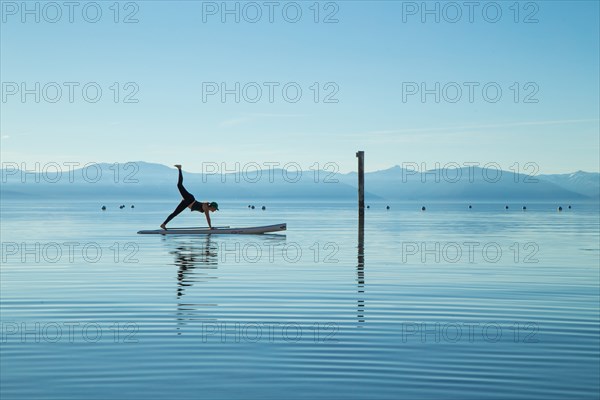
190	202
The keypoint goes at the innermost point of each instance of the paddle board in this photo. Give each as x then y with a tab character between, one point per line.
216	231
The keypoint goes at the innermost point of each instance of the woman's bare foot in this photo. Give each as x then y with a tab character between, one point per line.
178	166
163	226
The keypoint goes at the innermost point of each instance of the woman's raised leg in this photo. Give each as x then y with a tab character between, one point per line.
184	193
188	198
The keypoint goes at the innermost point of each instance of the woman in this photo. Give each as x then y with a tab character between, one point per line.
190	202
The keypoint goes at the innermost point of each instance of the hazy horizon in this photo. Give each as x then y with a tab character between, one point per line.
224	168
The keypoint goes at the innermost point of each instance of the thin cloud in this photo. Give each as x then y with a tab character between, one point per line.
487	126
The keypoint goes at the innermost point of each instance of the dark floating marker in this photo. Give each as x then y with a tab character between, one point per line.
132	206
368	206
249	206
264	208
103	208
387	207
524	208
506	207
569	207
423	208
252	207
559	208
470	206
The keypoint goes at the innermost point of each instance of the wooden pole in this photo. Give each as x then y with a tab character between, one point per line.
361	182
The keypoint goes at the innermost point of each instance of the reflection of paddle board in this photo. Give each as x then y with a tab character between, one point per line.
217	231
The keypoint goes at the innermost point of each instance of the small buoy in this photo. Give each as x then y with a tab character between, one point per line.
264	208
249	206
423	208
132	206
387	207
368	206
470	206
559	208
569	207
506	207
253	207
103	208
524	208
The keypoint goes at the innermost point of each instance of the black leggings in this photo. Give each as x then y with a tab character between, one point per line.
188	199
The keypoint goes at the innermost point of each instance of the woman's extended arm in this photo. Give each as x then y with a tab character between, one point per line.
206	213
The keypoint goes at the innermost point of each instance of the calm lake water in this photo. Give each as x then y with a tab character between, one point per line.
450	303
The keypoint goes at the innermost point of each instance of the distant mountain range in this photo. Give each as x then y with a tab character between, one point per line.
139	180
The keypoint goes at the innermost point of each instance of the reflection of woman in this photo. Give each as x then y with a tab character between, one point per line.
190	202
185	262
189	257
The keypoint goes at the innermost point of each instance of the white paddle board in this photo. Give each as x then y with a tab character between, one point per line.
216	231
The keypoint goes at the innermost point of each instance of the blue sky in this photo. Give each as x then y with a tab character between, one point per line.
370	57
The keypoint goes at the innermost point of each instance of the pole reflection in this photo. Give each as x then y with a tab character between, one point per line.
360	269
